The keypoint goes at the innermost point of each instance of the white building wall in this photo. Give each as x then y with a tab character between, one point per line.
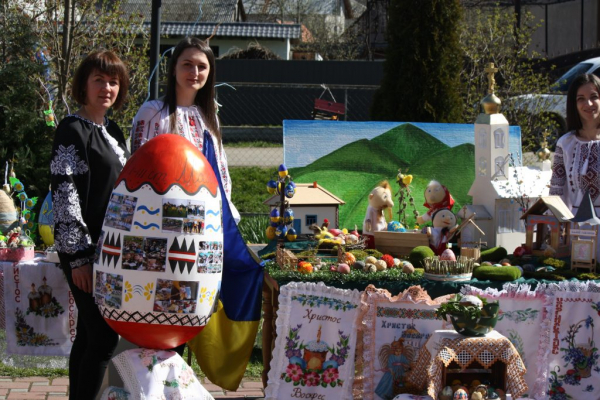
301	212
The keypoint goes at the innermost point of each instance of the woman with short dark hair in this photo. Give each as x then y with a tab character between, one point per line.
88	154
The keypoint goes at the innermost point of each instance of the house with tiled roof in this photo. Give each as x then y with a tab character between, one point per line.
224	20
312	204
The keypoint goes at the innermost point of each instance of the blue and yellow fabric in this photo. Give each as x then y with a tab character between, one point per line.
224	346
46	221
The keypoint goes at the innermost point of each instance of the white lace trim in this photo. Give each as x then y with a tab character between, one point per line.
284	315
127	374
111	140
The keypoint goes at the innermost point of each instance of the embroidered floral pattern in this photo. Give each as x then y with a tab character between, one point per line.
66	205
67	162
318	301
70	238
325	374
26	336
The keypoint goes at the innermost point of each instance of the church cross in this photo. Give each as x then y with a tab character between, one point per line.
490	71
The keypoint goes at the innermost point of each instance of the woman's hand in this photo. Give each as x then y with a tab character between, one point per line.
82	278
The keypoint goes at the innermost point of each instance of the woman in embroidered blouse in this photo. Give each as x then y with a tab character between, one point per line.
576	166
89	152
188	108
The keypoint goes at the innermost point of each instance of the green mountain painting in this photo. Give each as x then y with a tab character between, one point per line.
352	171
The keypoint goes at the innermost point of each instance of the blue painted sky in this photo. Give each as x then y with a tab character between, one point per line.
305	141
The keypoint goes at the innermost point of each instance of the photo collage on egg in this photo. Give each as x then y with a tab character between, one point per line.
144	253
120	210
176	297
109	289
210	257
183	216
99	247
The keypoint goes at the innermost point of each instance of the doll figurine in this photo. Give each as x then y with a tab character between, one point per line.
444	227
436	196
380	199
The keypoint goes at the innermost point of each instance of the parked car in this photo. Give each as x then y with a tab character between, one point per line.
554	104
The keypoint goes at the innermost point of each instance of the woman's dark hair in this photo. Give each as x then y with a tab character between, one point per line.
573	119
107	63
205	98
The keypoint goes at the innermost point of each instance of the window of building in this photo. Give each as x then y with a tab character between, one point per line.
499	138
482	138
311	219
482	166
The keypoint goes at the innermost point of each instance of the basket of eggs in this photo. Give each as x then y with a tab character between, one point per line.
470	315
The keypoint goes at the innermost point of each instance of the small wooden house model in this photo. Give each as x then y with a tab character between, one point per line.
312	204
537	222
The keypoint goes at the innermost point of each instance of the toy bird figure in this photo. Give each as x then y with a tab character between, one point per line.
319	232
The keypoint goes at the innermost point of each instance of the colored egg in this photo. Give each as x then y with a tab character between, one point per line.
271	232
280	187
157	274
283	171
271	186
275	216
288	216
291	234
448	255
460	394
281	231
343	268
290	191
394	226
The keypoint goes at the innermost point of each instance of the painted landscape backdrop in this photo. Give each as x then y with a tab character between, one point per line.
354	169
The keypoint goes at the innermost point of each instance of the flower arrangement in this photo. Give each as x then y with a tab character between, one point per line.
581	357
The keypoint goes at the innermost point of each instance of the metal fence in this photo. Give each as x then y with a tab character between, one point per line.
261	104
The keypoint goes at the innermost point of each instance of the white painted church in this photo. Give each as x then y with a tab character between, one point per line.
499	188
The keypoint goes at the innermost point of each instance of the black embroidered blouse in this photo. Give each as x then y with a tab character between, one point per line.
86	161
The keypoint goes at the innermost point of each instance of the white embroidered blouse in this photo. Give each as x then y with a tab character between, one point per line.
152	120
575	170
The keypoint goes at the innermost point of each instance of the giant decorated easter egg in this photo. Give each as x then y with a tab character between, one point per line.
157	274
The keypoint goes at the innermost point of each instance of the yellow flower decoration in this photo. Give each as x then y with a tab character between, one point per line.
30	224
203	294
407	179
19	187
148	290
22	196
211	297
128	292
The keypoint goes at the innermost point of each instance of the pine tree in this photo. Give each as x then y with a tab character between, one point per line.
421	81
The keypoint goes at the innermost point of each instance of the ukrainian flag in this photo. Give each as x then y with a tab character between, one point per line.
224	346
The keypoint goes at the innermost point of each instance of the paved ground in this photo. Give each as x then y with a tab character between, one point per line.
38	388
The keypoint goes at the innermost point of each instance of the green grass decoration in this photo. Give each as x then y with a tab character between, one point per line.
418	254
491	273
494	254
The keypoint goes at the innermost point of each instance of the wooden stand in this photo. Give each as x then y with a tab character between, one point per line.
399	244
583	248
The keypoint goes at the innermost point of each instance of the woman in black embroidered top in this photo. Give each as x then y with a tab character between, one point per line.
88	154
